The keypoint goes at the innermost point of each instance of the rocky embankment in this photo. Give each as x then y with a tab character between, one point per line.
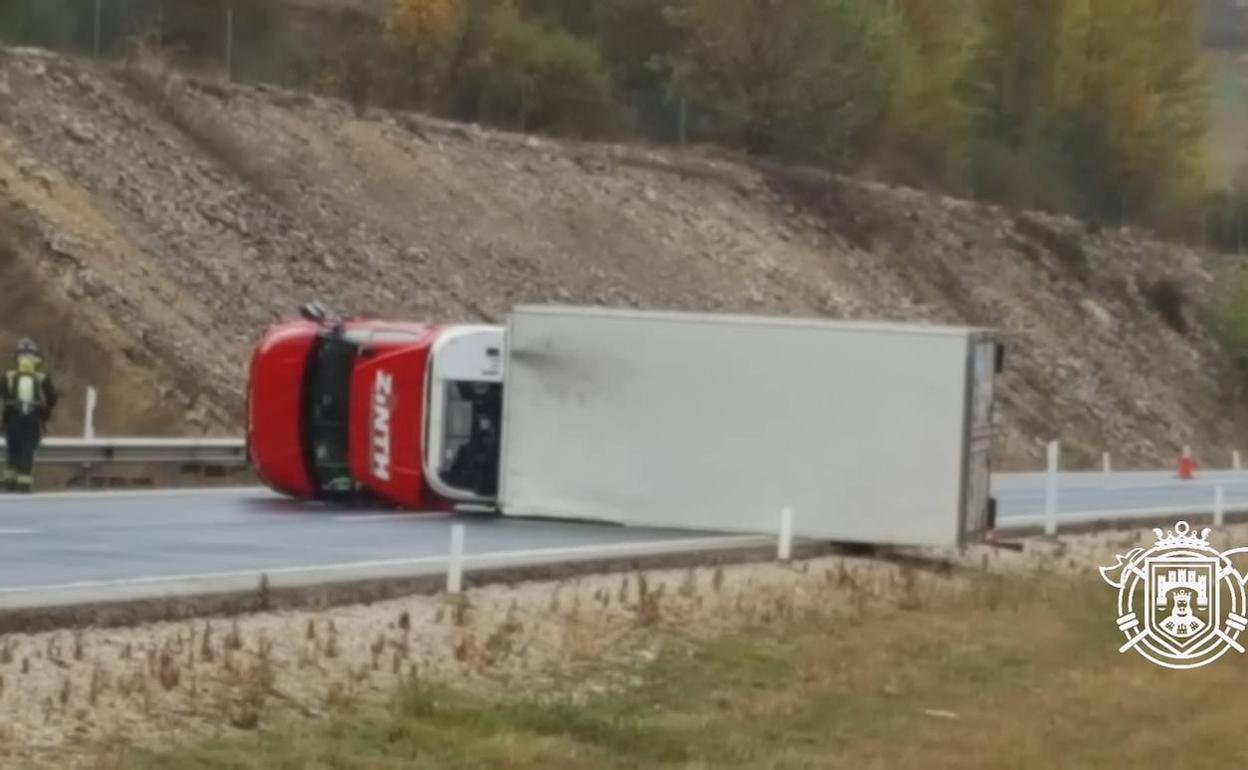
155	225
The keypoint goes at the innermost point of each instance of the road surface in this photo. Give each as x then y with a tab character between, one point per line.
69	548
1022	494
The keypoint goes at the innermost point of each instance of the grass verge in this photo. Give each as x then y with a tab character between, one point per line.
1017	672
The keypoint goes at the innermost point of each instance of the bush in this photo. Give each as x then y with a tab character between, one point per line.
1228	314
1031	176
532	77
801	79
1226	223
419	42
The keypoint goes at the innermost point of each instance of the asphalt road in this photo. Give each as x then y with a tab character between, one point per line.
1023	494
67	548
113	544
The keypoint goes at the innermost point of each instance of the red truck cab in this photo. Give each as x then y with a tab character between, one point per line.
408	412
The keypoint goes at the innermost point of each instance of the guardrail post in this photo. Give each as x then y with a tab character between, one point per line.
455	568
1050	490
88	417
784	548
1105	467
1219	506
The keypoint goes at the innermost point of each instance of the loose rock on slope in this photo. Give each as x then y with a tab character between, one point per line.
171	221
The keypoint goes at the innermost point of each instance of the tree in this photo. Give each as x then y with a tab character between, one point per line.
1096	106
576	17
928	113
638	38
419	41
799	78
534	77
1176	148
1011	79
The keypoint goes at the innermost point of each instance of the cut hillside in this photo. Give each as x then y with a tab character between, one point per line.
155	226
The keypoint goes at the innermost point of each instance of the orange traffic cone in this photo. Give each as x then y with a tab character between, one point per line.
1186	466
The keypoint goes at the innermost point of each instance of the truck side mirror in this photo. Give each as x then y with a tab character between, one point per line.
313	311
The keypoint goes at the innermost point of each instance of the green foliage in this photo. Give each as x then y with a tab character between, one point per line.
798	78
419	43
575	16
928	116
638	39
535	77
1226	220
1097	106
1227	314
59	24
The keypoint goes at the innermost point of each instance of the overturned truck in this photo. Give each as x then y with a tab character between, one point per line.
869	432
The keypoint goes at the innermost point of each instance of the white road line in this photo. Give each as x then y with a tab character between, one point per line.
17	532
413	515
40	497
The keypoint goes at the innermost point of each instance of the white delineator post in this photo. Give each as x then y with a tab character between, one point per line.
1235	460
1050	490
455	567
1105	467
784	548
88	417
1219	506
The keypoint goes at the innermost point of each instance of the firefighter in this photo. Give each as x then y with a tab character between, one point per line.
29	398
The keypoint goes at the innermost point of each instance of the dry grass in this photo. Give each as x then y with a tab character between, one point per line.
1016	673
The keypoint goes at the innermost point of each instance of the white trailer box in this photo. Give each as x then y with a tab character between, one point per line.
869	432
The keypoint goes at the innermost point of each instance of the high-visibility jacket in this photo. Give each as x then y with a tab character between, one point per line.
28	390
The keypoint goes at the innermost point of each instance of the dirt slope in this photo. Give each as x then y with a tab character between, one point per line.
154	226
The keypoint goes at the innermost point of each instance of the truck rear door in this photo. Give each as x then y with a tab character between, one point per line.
986	359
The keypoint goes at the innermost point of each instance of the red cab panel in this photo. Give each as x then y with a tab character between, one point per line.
388	408
274	391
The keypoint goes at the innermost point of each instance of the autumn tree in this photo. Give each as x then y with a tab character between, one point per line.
1173	150
928	113
419	41
1019	86
801	78
1092	105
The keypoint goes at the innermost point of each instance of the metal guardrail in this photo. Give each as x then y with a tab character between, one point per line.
56	450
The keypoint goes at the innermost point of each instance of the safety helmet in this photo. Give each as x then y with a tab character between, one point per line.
27	346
